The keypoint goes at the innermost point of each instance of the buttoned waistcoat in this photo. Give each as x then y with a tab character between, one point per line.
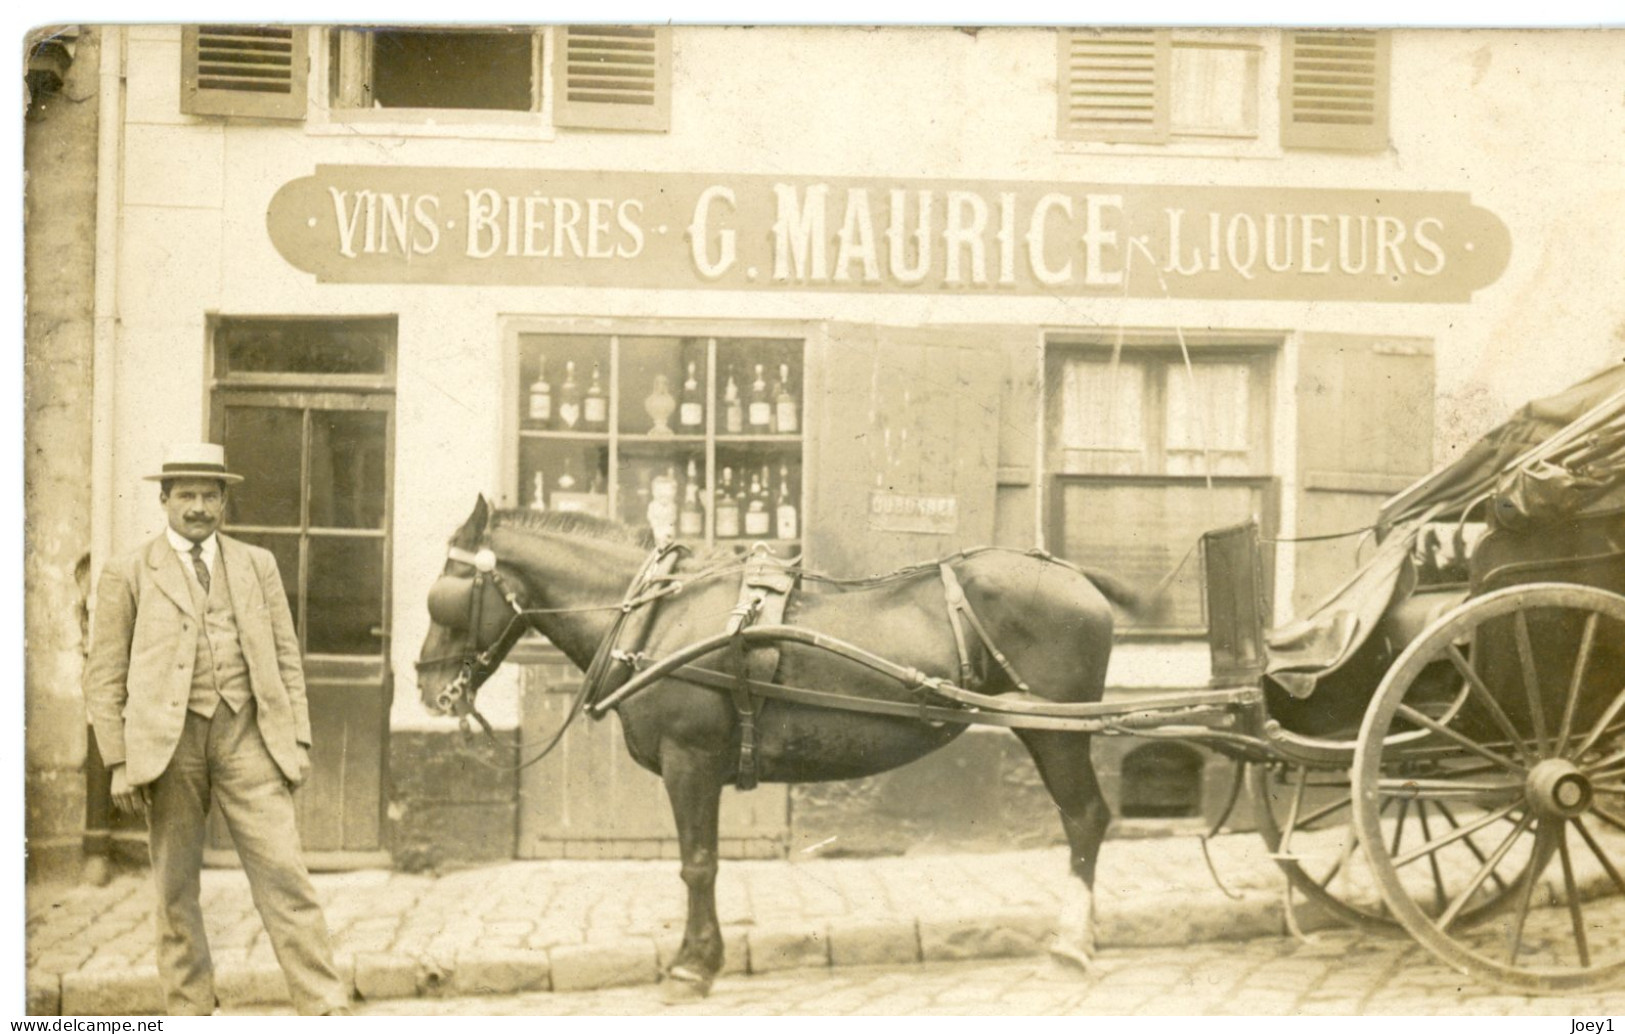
144	646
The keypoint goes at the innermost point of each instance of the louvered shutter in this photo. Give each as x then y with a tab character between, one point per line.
1334	91
1113	85
611	77
250	70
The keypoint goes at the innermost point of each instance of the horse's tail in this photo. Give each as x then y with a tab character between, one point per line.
1132	601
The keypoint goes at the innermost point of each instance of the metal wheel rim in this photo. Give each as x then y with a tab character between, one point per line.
1367	773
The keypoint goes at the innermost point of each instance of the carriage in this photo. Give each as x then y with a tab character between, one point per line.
1439	747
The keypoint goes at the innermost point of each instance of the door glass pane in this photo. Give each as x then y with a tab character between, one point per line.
286	550
262	444
304	346
347	469
346	595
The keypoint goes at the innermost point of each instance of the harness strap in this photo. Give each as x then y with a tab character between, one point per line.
956	600
959	606
609	669
764	592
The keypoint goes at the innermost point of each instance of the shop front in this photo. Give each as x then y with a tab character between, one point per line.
1099	353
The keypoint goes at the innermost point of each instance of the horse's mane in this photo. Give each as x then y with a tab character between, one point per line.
579	524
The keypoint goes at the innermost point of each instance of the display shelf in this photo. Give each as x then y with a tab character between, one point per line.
566	436
758	439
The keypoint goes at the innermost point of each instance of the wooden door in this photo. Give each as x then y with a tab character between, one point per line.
1365	432
317	490
907	444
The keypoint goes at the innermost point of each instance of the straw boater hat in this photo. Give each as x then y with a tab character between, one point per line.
196	460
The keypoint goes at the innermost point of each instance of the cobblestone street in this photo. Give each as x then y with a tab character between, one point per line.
1337	973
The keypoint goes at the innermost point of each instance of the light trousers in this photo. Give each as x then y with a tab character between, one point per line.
225	757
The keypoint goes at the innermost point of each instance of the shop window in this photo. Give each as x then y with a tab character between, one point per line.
1161	781
247	70
1154	86
1334	91
695	438
1146	452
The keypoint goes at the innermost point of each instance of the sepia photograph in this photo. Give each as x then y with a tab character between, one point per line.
657	517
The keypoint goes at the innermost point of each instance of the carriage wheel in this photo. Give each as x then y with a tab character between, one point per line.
1507	719
1306	819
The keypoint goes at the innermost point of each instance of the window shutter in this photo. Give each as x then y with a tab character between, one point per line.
1334	91
1114	85
610	77
1365	431
250	70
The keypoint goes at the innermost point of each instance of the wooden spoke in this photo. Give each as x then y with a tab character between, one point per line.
1458	832
1531	679
1308	821
1606	766
1538	860
1414	789
1602	724
1399	827
1601	855
1439	900
1478	853
1613	820
1500	852
1413	715
1486	699
1587	638
1572	894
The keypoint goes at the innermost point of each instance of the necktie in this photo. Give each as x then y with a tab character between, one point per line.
200	567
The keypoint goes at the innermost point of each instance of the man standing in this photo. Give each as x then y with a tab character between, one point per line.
195	688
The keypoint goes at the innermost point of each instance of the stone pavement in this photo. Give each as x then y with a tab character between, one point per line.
1334	973
578	925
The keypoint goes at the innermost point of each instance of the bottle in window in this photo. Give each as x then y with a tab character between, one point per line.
786	520
595	411
757	519
760	413
727	507
663	510
539	408
569	407
784	403
691	405
691	519
538	486
733	412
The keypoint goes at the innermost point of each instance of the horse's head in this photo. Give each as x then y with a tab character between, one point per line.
473	612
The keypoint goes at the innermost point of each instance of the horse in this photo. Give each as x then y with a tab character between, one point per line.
567	576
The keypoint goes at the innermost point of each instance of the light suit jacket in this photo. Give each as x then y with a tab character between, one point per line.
142	651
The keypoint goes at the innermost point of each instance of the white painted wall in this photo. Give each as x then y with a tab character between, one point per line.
1531	124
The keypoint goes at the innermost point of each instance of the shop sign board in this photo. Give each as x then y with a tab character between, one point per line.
585	228
913	514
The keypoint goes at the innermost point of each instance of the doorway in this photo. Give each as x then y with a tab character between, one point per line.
306	412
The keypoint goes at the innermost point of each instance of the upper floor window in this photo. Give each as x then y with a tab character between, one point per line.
1163	86
586	77
486	69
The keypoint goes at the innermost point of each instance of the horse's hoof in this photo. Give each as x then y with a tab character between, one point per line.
684	985
1072	960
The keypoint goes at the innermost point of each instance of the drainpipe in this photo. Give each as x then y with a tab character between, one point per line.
109	194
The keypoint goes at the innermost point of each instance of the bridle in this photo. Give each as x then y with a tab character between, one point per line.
475	666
